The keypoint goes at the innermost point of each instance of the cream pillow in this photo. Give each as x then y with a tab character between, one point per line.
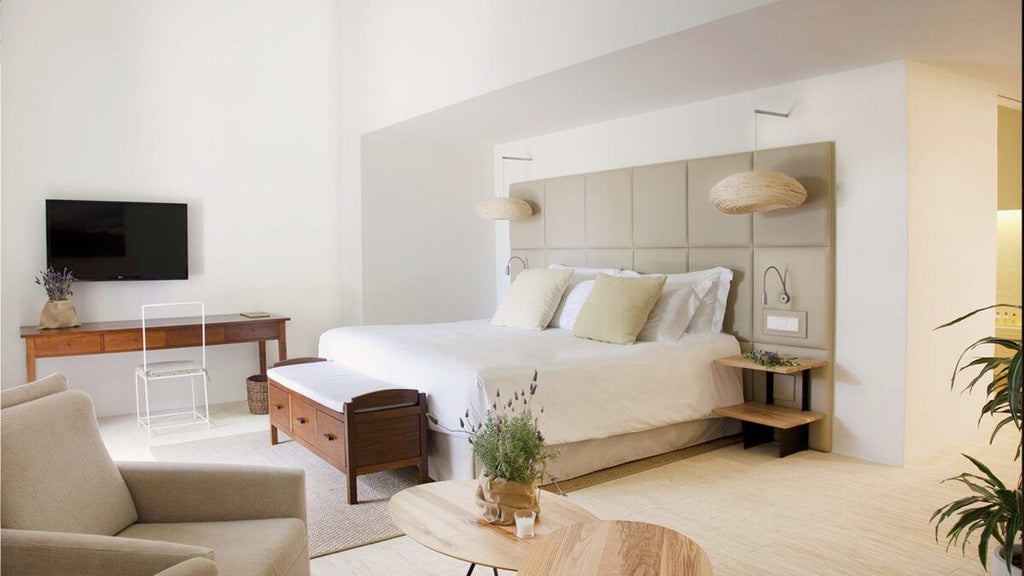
532	299
617	308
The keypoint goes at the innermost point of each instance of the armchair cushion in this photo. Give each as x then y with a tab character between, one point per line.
33	553
269	547
185	492
57	475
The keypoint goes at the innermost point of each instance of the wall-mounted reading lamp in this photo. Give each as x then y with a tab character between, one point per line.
508	265
784	297
505	207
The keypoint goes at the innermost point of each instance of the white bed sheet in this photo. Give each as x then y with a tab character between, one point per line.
588	389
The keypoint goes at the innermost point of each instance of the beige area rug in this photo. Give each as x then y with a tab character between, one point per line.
333	524
636	466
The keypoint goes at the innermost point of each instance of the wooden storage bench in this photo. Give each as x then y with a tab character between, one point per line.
355	423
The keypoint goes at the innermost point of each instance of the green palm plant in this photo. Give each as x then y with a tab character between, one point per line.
993	509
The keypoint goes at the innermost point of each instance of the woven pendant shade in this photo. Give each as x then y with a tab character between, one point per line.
502	208
757	191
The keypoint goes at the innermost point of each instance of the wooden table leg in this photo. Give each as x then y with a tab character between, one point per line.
273	435
30	359
263	356
282	343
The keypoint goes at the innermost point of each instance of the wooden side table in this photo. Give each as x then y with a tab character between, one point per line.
444	517
613	548
760	421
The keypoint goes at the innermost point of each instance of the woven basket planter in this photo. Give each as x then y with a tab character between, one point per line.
757	191
256	393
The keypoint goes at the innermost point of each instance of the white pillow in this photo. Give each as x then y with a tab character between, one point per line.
569	309
672	314
710	315
532	299
562	319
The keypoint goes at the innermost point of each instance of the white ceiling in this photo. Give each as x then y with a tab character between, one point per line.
777	43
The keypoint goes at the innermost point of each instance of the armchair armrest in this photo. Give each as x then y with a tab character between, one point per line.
179	492
193	567
36	553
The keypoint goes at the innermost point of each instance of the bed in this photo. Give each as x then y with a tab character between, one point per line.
604	404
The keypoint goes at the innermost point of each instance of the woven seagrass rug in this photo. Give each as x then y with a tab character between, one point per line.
333	525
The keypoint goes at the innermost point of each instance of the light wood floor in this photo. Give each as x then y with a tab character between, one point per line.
808	514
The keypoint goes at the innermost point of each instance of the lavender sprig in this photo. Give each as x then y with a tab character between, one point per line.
508	441
57	284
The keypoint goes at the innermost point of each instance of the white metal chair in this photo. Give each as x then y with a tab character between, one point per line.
150	371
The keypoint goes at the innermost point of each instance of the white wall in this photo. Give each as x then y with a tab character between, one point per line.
952	193
864	112
426	256
421	56
233	107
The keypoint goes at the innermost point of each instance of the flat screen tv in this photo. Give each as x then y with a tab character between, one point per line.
118	240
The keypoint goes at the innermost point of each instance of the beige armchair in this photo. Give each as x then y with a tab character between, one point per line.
67	508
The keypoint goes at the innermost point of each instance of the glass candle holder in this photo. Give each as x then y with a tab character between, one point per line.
524	523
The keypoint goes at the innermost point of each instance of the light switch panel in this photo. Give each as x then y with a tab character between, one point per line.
791	323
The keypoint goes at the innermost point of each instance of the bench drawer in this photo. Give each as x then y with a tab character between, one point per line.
303	421
279	407
330	437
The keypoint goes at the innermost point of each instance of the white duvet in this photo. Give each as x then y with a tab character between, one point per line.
588	389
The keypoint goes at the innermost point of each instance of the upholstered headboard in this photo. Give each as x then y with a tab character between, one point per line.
658	218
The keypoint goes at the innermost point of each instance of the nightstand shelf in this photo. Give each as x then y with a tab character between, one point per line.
762	420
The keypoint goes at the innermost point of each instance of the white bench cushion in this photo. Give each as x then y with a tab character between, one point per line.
328	383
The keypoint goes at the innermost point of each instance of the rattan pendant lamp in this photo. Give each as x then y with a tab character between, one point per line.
757	190
505	207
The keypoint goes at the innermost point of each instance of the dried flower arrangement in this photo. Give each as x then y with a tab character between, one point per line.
57	284
771	359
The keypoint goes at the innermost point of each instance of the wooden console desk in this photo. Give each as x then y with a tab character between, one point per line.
161	333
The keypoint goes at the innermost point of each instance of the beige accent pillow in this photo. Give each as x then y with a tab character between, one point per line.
532	299
617	308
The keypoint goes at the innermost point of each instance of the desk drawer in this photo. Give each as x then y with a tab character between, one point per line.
250	332
192	336
68	344
303	421
132	340
280	408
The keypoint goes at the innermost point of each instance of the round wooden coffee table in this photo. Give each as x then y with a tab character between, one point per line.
443	516
614	547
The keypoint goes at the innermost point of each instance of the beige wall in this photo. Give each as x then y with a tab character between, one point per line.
1009	158
951	176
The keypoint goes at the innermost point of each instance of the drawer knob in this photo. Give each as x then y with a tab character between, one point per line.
279	406
330	437
302	420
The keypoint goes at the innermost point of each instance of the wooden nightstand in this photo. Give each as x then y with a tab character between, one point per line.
761	420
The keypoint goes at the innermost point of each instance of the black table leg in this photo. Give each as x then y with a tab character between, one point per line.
470	571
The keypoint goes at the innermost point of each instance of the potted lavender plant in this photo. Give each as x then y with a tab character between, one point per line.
58	312
510	447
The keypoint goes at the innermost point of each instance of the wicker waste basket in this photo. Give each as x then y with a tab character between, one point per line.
256	392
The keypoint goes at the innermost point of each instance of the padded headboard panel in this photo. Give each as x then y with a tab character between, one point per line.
658	218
